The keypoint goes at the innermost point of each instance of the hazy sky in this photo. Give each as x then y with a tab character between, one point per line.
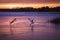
34	1
28	3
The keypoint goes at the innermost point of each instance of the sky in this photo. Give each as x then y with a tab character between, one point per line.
28	3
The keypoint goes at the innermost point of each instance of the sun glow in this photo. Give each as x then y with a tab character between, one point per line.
10	6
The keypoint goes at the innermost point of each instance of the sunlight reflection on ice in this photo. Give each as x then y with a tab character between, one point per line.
22	30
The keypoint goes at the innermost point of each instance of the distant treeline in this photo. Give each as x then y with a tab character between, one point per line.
30	9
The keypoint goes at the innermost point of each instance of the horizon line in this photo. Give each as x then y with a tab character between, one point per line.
30	7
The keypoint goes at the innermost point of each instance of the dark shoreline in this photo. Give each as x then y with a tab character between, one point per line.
30	9
56	20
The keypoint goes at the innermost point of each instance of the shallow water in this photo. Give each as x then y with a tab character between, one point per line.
22	29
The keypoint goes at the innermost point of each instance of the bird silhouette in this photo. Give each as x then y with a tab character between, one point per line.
12	20
31	20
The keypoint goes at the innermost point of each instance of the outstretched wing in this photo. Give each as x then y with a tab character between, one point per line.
30	19
12	21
